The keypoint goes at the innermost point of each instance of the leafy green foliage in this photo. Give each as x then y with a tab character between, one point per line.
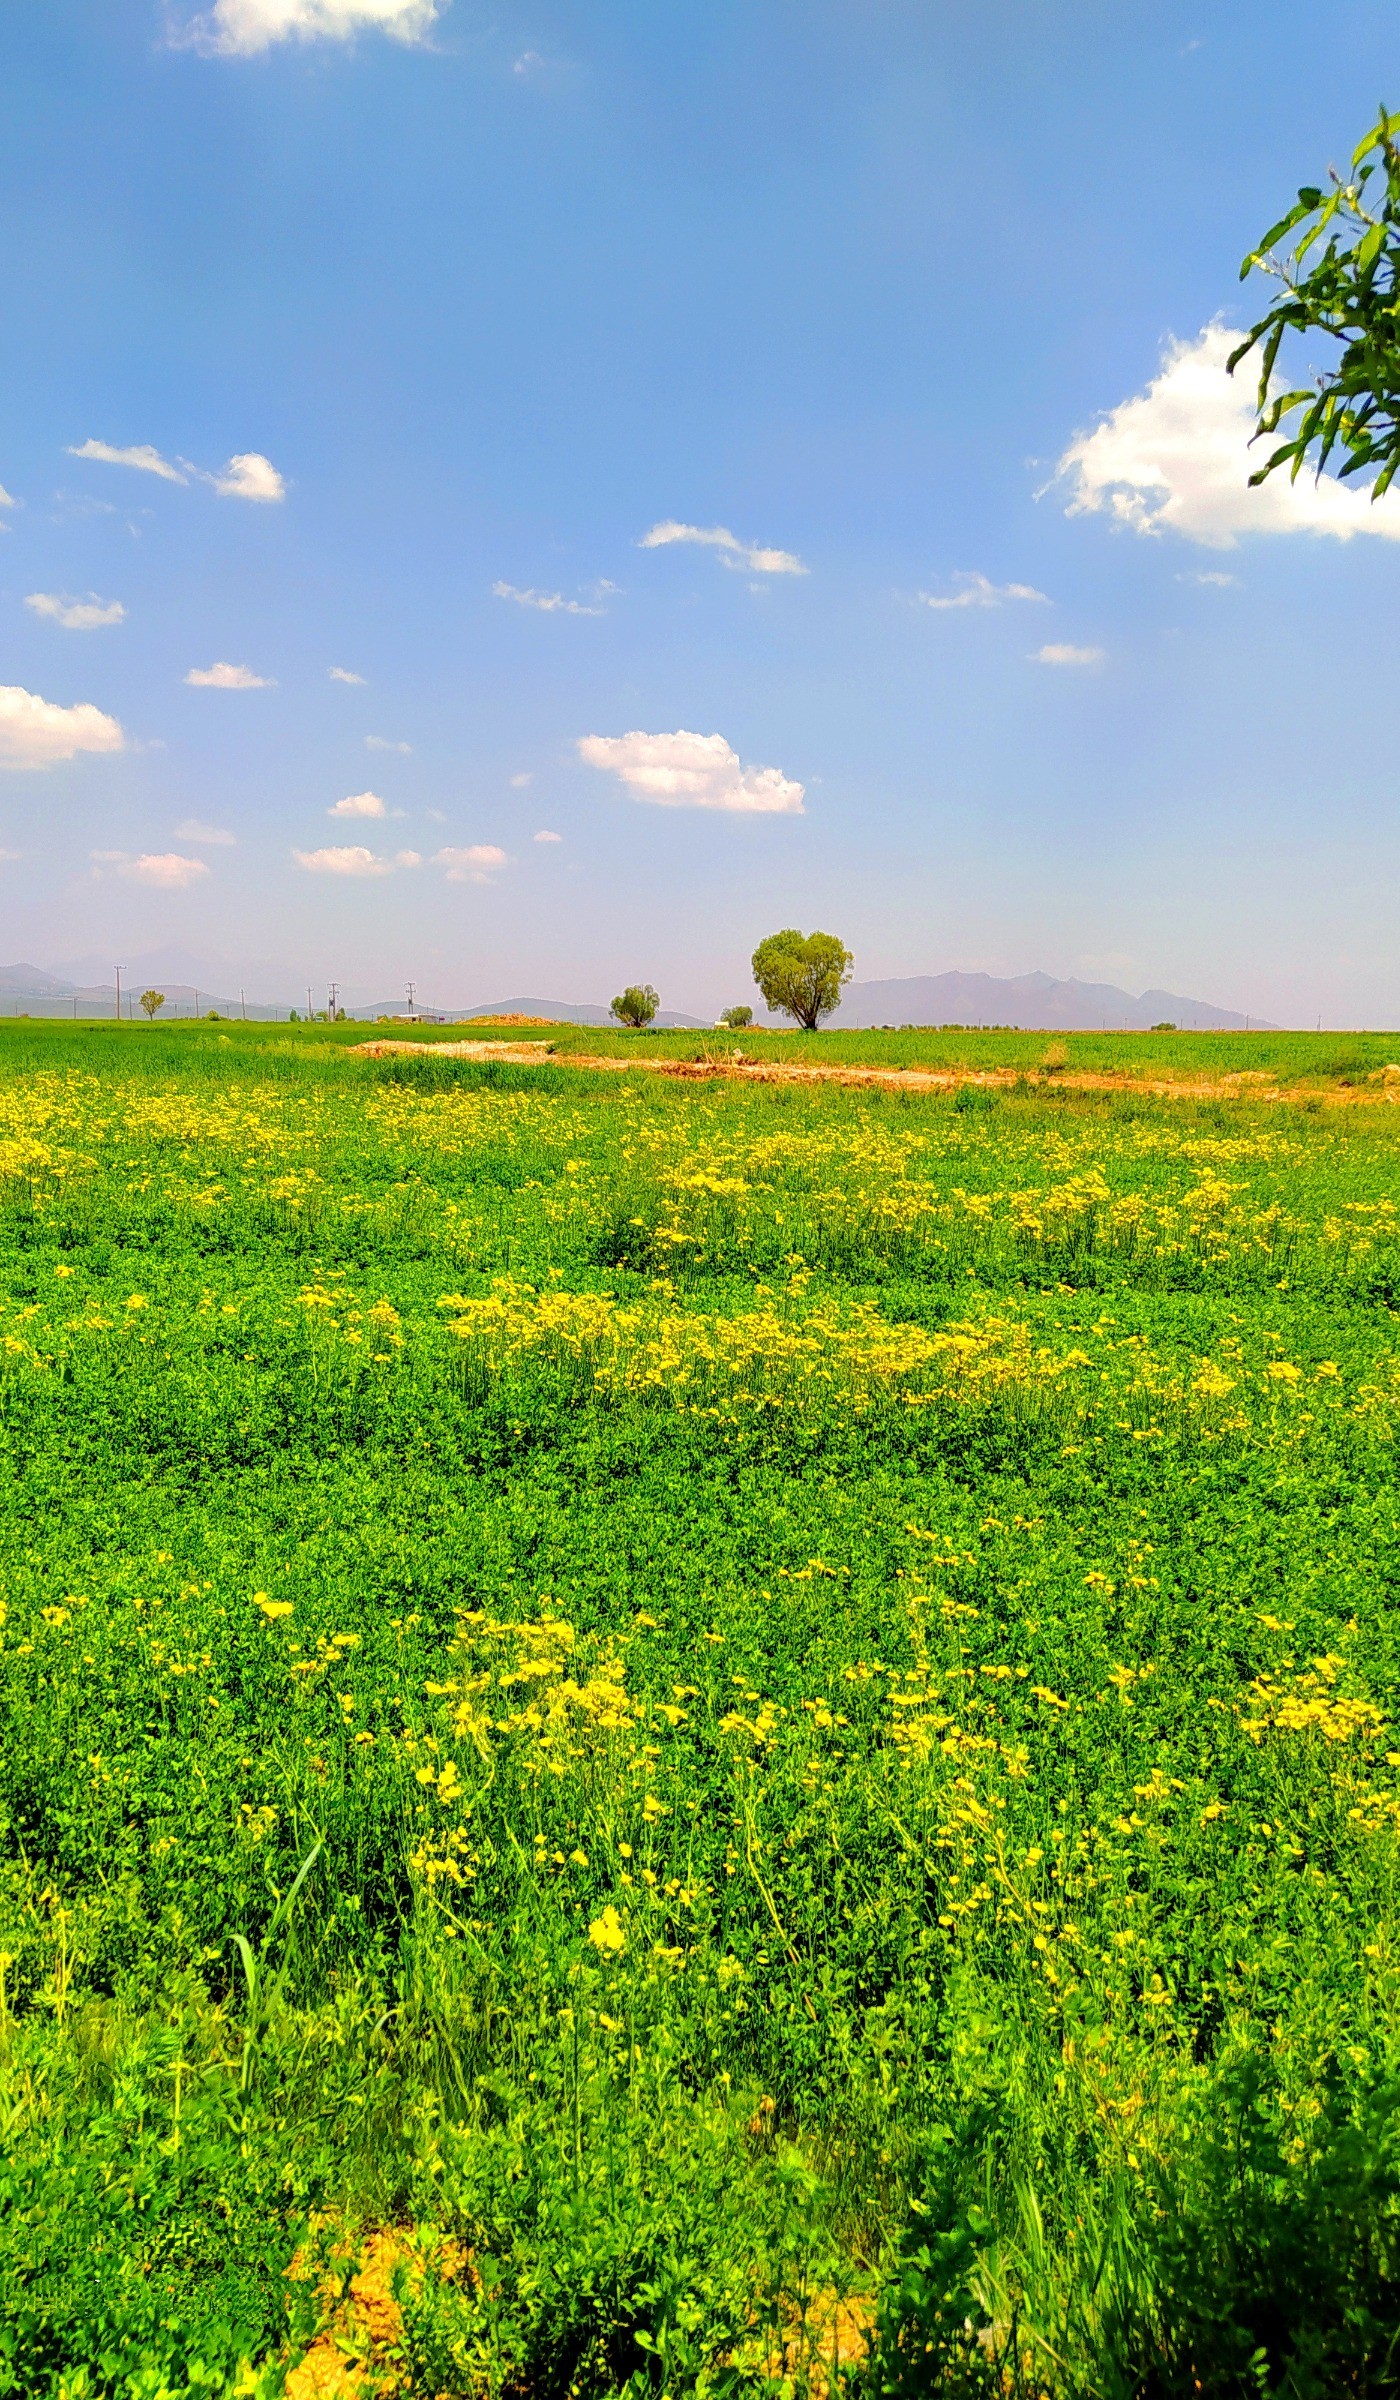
636	1006
737	1018
802	974
152	1002
764	1711
1342	278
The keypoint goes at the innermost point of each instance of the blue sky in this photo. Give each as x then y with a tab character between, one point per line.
430	316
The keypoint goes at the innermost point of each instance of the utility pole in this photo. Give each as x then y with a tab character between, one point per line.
310	1012
243	1004
118	973
196	1000
409	989
334	992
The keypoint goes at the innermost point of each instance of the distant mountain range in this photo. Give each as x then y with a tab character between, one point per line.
1037	1003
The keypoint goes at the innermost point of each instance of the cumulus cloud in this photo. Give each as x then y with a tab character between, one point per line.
692	770
1068	654
359	804
1177	458
552	603
354	859
241	28
39	733
376	741
139	455
249	476
748	557
977	591
7	499
193	829
547	837
474	865
224	677
345	675
165	868
79	616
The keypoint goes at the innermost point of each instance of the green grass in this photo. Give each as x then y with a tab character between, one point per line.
722	1696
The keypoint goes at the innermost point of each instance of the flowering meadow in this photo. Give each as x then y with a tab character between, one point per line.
760	1720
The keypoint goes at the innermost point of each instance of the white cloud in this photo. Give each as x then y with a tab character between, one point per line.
547	837
192	829
39	733
1213	580
474	865
7	499
79	616
1068	654
249	476
139	455
166	869
241	28
408	858
345	675
692	770
552	603
223	677
1177	458
376	741
359	804
745	556
976	591
353	860
518	783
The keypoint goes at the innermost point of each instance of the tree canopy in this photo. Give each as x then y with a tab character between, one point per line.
151	1001
802	973
636	1006
1348	288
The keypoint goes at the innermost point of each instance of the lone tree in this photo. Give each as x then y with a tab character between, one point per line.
802	974
737	1018
636	1006
151	1001
1350	290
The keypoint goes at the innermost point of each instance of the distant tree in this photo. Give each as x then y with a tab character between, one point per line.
737	1018
151	1001
1351	290
293	1016
636	1006
802	974
1167	1025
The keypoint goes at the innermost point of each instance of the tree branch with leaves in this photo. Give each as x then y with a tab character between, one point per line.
1342	278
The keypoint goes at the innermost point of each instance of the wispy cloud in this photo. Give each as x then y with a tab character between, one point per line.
477	864
1177	459
750	558
223	676
242	28
352	859
193	829
359	804
547	837
247	476
1068	654
344	675
1213	579
140	454
78	616
376	741
518	783
977	591
166	869
551	603
37	733
7	499
692	770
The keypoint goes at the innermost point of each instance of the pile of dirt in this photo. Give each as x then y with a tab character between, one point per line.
521	1053
510	1019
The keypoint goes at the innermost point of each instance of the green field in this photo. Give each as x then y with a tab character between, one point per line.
761	1716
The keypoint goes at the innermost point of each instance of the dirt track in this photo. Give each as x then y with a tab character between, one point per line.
1251	1083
